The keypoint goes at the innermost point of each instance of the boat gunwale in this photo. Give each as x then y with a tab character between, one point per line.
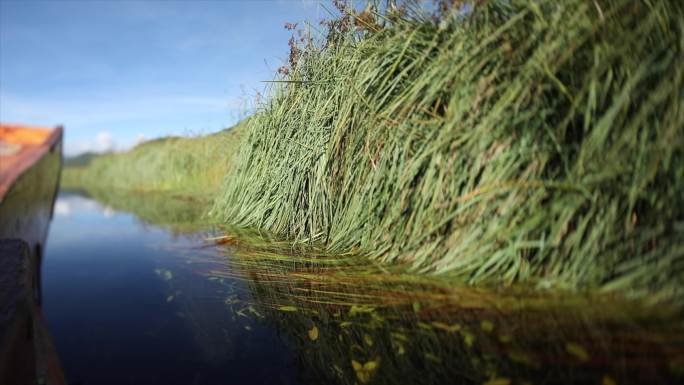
31	157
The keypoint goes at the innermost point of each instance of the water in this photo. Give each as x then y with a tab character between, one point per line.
126	304
129	302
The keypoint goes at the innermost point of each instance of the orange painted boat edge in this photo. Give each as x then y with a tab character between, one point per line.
39	141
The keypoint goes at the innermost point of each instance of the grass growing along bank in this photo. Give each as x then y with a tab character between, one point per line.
192	166
527	141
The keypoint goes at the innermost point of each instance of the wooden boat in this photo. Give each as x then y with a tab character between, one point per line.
30	164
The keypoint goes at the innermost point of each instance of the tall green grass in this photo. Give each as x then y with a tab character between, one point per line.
190	165
525	141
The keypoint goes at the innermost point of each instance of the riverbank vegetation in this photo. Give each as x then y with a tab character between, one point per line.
192	166
501	142
519	141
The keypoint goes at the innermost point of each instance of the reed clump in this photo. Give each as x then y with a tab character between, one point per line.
502	141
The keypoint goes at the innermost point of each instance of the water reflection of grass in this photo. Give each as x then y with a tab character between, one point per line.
169	181
177	212
358	322
355	320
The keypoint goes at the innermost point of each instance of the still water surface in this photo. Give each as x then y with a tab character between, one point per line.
129	302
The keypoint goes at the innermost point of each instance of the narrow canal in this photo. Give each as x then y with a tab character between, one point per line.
130	302
127	304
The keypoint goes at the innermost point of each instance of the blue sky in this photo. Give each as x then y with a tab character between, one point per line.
114	72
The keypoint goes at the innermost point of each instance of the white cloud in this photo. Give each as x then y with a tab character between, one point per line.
104	141
105	113
62	208
108	212
140	138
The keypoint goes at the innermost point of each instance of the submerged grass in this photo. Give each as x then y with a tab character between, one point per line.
520	141
356	322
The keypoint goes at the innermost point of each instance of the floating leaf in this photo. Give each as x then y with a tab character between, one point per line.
440	325
487	326
498	381
358	309
287	308
356	365
432	357
365	371
448	328
377	318
400	348
522	358
425	326
468	338
454	328
164	274
577	351
313	333
254	311
363	376
505	338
